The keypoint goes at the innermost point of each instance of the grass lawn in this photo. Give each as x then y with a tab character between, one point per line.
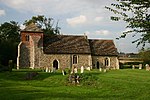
125	84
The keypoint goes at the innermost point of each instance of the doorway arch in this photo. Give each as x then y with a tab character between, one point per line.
55	64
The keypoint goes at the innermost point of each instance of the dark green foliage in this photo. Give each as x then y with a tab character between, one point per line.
88	79
145	55
9	39
3	68
46	24
31	75
136	14
9	31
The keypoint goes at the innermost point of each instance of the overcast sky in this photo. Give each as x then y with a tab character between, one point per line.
76	17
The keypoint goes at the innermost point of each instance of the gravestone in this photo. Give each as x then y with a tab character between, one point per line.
140	66
75	70
82	69
105	70
88	68
133	66
147	67
100	69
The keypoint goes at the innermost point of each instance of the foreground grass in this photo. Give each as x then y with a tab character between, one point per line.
114	85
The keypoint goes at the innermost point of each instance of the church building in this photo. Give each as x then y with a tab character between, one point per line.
37	50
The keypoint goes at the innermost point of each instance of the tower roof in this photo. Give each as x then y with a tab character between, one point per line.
32	28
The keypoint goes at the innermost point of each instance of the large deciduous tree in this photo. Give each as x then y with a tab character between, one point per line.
46	24
136	13
9	39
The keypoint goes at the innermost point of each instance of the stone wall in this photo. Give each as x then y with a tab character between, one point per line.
29	51
64	60
35	50
113	60
23	56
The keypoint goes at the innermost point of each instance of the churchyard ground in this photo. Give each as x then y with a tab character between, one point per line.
123	84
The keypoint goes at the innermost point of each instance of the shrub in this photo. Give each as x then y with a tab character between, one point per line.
31	75
3	68
88	79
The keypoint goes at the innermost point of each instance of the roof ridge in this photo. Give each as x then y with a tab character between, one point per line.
101	39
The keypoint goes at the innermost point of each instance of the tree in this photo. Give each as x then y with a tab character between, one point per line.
145	55
9	39
9	31
136	13
44	23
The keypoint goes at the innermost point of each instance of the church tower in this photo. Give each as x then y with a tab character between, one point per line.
30	47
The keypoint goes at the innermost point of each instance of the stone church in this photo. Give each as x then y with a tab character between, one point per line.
37	50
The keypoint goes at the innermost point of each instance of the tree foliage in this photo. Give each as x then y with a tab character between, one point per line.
136	13
9	39
145	55
46	24
9	31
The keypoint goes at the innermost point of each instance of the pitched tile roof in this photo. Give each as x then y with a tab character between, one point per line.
62	44
68	44
103	47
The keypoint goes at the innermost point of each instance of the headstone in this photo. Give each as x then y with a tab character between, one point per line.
140	66
49	70
54	69
105	70
75	70
133	66
147	67
88	68
100	69
63	72
82	69
10	65
46	69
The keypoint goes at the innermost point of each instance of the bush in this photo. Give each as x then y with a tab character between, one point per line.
31	75
3	68
85	79
88	79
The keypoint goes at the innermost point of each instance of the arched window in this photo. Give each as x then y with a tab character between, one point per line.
107	62
74	59
27	37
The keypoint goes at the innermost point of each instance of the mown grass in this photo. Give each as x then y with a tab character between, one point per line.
123	84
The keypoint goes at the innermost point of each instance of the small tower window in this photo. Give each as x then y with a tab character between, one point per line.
74	59
27	37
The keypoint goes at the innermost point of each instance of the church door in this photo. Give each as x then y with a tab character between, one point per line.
55	64
97	65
